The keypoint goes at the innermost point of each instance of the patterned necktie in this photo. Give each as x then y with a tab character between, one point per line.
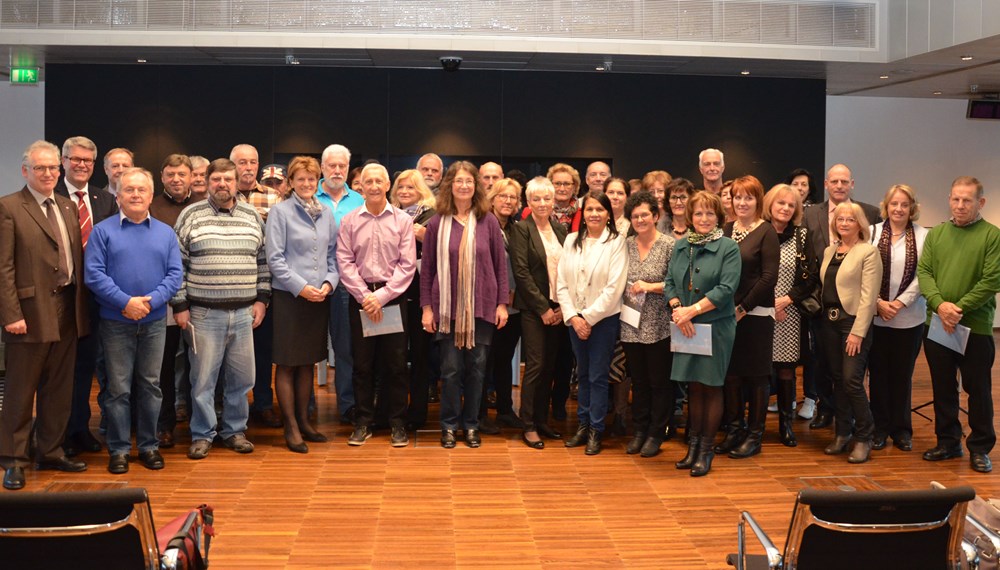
86	224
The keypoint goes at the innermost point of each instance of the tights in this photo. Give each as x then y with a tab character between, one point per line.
294	386
704	409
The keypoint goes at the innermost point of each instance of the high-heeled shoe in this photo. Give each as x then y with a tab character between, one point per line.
532	444
314	437
300	447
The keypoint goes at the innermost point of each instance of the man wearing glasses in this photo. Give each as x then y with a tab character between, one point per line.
818	219
79	155
43	311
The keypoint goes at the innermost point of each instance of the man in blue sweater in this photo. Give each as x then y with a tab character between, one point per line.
133	268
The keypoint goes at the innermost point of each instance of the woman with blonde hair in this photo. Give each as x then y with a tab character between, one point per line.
899	324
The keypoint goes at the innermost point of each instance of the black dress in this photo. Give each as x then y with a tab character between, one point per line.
752	349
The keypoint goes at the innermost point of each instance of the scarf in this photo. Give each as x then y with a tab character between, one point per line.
465	325
312	206
909	266
695	238
565	214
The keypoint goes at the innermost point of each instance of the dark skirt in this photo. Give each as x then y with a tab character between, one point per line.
300	329
752	349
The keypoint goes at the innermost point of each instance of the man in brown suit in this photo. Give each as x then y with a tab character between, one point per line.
43	311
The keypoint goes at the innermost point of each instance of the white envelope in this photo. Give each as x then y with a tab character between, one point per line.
392	322
955	341
700	343
630	316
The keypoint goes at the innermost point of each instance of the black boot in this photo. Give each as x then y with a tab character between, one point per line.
732	416
786	415
693	444
758	415
703	464
635	444
593	442
579	438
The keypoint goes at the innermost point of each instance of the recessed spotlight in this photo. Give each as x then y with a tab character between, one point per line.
599	68
745	72
966	58
883	77
140	60
937	93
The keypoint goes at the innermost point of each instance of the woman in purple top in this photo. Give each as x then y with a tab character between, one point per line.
464	294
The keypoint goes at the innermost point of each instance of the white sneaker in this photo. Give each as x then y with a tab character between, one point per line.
808	409
773	408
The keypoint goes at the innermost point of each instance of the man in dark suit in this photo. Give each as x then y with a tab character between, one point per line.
79	156
839	184
43	310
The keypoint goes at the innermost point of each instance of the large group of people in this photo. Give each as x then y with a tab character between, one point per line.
203	300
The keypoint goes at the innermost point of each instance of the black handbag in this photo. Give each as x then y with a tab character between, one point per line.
810	305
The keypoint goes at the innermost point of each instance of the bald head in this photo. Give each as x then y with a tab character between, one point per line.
490	172
839	183
597	173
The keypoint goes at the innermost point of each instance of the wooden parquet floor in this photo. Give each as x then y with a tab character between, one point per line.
503	505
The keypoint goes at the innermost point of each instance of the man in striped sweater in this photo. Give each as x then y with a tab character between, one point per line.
223	297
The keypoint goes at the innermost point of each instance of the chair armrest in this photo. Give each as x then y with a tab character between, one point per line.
774	558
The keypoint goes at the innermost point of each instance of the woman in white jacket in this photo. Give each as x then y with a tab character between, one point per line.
591	280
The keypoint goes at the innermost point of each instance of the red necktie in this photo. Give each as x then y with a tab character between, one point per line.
86	224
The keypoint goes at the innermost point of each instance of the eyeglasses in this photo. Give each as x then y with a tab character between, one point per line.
77	161
507	197
43	169
563	184
679	199
642	216
843	220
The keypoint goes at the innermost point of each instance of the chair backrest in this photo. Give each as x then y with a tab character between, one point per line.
93	529
877	529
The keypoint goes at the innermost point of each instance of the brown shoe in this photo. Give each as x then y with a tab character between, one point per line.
165	439
268	418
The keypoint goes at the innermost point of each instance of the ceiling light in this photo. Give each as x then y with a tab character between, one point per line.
140	60
966	58
937	93
883	77
745	72
599	68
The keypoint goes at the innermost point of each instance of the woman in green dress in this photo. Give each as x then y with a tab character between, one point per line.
703	275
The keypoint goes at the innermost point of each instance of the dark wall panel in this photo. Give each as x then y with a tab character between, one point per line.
528	119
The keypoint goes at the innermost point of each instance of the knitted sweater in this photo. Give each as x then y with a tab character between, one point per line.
225	262
961	265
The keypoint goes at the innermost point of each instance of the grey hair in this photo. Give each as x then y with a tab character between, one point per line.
538	185
141	171
335	149
232	153
701	155
36	146
82	142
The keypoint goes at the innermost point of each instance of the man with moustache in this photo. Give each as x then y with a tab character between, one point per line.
221	307
597	174
79	155
377	258
335	194
133	268
711	164
166	207
198	186
431	167
116	161
43	310
818	219
959	274
261	198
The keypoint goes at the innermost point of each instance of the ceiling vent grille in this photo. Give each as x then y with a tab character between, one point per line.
761	22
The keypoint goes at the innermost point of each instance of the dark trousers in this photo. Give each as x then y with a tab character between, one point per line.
87	350
385	354
652	389
463	372
499	365
563	373
975	366
263	348
168	384
809	356
852	408
420	347
823	378
45	368
890	382
540	344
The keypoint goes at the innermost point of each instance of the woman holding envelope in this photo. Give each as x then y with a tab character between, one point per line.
703	274
464	294
899	324
851	272
591	280
298	228
645	328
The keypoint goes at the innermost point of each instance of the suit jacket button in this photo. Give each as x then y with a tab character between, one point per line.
697	290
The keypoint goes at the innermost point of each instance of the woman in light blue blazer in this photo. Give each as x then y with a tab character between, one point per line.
301	253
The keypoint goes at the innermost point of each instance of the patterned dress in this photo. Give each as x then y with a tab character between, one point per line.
787	333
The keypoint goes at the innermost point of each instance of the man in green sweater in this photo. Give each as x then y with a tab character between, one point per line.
959	274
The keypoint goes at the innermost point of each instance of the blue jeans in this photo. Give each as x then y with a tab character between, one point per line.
133	354
462	374
223	339
593	362
343	359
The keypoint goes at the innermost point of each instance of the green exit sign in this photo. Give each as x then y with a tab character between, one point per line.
24	75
